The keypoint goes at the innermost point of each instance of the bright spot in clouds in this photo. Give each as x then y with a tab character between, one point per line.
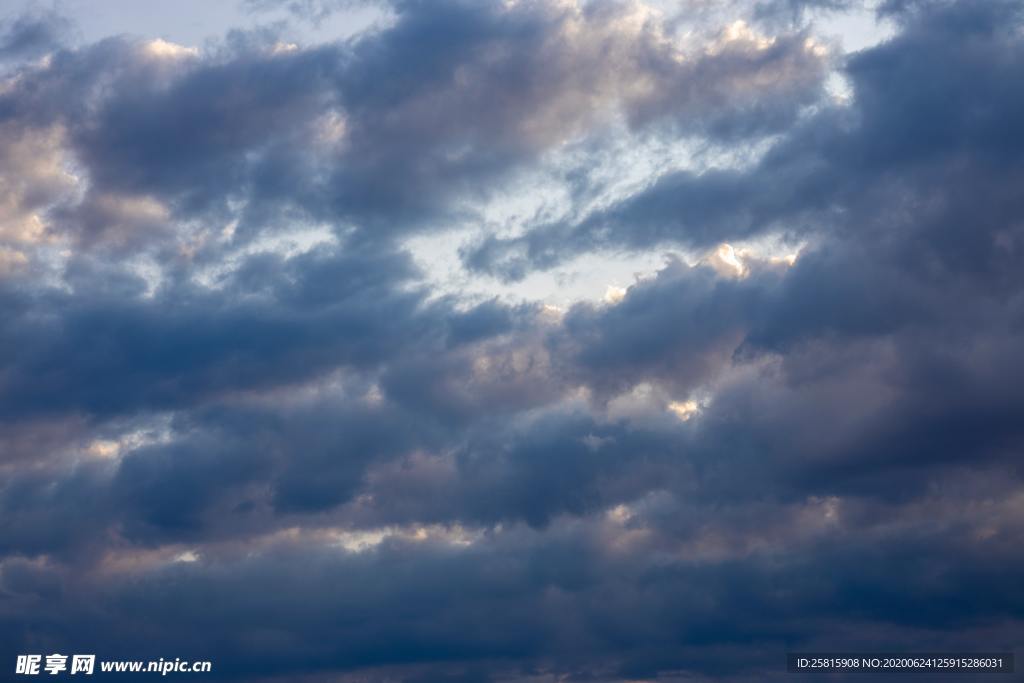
684	410
168	50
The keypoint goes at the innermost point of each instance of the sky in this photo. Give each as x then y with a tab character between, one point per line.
526	341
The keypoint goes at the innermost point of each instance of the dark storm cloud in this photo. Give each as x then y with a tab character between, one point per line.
483	320
868	167
563	601
221	474
680	327
308	466
31	35
482	90
105	349
533	471
391	130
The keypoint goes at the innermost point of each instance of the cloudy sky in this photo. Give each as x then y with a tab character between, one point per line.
463	341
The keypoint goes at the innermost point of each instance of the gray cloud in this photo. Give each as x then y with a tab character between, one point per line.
31	35
866	167
224	439
391	131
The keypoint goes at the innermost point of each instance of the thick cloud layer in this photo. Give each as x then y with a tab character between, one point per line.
239	421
